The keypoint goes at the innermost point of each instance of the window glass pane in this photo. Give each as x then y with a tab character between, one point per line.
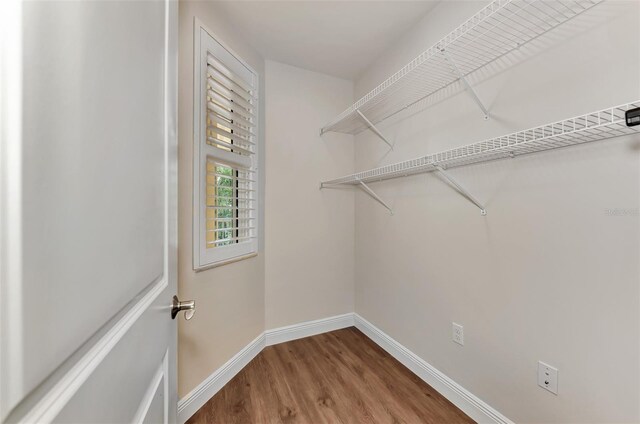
222	203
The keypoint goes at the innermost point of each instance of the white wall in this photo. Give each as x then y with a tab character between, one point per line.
546	275
229	299
309	265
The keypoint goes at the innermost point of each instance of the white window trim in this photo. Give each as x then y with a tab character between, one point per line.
204	258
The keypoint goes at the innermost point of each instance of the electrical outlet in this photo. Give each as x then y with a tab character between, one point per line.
457	333
548	377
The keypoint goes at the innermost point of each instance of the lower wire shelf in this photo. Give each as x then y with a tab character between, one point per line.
595	126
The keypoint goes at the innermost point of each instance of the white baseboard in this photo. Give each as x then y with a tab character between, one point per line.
190	404
456	394
309	328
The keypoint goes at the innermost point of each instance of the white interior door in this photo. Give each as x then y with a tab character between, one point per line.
88	214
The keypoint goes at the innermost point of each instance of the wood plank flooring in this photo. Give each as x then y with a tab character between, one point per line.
336	377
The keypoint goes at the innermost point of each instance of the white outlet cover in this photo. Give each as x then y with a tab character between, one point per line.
548	377
457	333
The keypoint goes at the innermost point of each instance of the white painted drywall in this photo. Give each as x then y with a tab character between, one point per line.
309	243
546	275
229	299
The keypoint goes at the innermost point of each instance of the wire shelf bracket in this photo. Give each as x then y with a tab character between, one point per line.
377	198
375	130
366	189
460	189
466	84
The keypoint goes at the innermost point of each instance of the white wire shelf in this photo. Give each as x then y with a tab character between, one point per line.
499	28
595	126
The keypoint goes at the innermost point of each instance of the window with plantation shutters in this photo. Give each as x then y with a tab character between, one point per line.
225	154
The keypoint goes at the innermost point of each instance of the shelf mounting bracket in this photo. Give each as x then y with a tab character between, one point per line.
373	128
468	87
460	189
375	196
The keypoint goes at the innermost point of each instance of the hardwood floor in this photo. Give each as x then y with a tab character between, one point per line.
337	377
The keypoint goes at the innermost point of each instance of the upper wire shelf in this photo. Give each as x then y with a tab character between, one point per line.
600	125
497	29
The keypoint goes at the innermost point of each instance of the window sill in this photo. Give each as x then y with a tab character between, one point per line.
225	262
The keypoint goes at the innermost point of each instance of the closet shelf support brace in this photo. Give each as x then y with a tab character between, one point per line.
374	129
468	87
460	189
375	196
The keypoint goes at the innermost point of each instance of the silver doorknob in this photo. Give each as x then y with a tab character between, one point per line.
189	307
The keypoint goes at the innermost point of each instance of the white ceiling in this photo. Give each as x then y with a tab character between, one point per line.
339	38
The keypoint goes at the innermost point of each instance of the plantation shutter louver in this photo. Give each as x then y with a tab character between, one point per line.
228	162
